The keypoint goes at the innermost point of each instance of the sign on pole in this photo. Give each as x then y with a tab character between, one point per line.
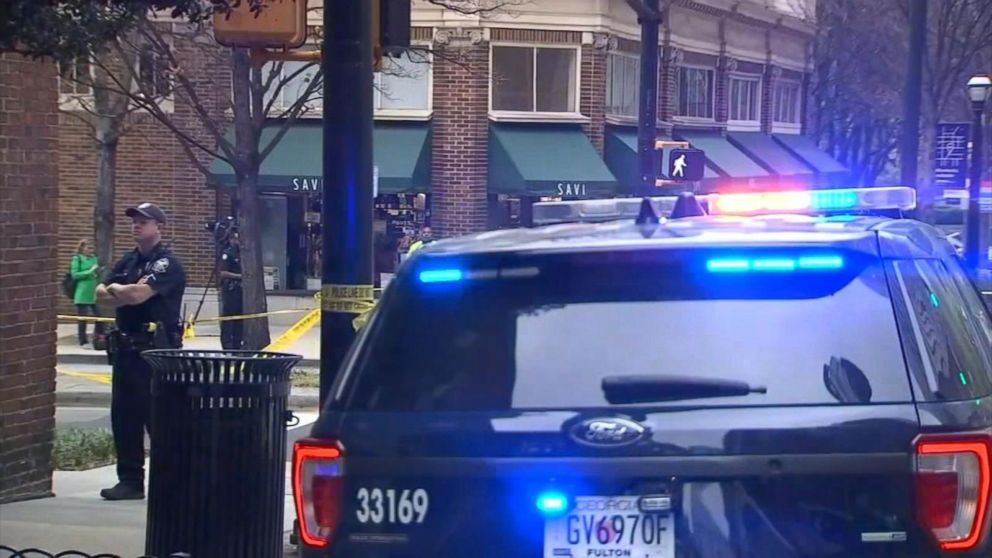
951	162
686	164
375	181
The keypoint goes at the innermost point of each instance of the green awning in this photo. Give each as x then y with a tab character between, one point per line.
769	153
722	156
546	160
620	153
401	151
805	149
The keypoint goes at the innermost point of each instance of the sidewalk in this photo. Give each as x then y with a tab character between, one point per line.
207	338
83	374
78	519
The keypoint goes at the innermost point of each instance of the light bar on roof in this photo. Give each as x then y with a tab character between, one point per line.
814	201
744	203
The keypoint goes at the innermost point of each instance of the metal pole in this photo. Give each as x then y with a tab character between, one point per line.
912	93
346	212
648	115
972	230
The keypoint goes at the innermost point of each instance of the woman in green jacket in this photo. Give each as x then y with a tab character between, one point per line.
85	269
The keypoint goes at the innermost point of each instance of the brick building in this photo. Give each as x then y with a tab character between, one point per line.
28	213
488	114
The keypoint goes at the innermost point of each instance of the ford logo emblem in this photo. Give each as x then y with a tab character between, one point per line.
607	432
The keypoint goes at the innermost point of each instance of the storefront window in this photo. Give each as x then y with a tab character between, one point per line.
404	82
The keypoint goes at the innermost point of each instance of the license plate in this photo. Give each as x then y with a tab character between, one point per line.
604	526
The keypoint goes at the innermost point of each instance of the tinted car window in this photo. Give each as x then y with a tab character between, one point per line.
548	340
952	327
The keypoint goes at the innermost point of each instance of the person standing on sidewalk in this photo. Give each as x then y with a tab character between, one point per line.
146	287
85	268
232	302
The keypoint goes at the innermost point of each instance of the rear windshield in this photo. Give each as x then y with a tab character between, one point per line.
548	336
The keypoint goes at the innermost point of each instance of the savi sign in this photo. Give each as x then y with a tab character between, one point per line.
307	184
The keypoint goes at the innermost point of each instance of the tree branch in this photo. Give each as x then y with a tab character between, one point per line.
475	7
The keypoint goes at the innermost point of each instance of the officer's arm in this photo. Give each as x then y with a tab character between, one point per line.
226	273
131	294
105	298
168	274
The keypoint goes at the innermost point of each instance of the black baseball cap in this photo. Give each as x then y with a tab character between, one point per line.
149	210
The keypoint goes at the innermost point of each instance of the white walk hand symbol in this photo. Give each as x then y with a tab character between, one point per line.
679	169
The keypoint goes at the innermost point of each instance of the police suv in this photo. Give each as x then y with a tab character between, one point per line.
780	376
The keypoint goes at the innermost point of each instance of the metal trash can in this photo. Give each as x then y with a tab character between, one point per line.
217	472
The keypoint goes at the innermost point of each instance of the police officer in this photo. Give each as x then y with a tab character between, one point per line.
146	287
232	304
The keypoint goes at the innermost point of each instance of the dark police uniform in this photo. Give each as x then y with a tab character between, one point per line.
131	400
232	304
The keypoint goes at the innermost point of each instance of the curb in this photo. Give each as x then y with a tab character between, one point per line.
101	359
102	399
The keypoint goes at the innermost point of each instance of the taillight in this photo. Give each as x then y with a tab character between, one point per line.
318	489
952	488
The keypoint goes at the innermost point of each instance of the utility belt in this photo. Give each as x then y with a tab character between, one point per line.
155	336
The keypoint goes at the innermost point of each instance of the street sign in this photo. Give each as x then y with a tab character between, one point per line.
686	164
951	162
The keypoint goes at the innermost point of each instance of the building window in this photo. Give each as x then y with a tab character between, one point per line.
153	73
75	77
694	90
404	82
623	79
786	102
745	98
534	79
292	84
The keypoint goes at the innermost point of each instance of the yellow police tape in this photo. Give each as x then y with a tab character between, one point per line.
102	377
295	331
349	299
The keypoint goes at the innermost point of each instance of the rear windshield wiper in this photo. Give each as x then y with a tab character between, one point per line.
621	390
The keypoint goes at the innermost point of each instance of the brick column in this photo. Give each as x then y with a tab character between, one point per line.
460	134
721	92
28	283
767	96
593	98
669	66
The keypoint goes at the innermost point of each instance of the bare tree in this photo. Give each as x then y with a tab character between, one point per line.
93	99
857	77
959	32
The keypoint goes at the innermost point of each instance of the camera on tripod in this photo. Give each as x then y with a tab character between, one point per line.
222	228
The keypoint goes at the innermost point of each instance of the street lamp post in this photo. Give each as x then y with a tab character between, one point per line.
979	88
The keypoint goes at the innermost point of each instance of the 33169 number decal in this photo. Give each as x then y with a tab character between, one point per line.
403	507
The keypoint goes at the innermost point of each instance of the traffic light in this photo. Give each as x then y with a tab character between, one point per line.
394	24
390	28
262	24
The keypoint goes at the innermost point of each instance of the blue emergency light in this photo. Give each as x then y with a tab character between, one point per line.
552	502
819	262
441	275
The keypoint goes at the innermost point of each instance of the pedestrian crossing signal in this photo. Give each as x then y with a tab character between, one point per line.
685	164
257	24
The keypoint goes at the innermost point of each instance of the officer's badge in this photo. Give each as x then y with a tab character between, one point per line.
160	265
223	256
